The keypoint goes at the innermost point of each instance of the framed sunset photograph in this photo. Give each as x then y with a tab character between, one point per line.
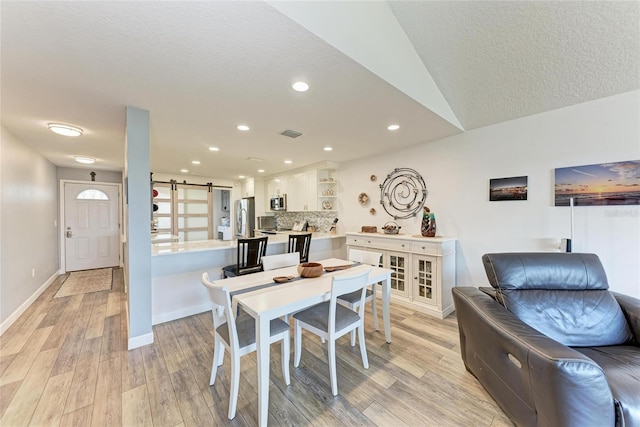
601	184
513	188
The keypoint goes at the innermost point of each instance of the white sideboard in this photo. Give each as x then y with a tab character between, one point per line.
424	268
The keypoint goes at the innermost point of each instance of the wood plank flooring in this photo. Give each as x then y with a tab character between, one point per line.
64	363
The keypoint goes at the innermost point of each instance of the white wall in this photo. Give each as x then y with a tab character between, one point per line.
29	205
84	174
457	172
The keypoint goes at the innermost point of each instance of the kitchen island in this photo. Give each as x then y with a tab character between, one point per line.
176	268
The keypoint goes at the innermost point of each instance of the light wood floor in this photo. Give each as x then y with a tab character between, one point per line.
64	362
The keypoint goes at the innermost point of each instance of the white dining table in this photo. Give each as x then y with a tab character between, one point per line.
267	303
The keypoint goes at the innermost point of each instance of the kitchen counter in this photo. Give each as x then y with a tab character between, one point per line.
167	248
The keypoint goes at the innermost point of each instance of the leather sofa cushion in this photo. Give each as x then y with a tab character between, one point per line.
564	296
621	366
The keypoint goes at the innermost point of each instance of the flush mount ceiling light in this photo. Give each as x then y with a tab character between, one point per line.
214	149
393	127
328	149
85	160
242	127
65	130
288	162
241	176
195	162
184	170
260	170
300	86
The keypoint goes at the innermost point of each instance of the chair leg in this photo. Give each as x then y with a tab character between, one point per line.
286	351
218	352
375	308
235	383
363	347
332	366
354	307
297	343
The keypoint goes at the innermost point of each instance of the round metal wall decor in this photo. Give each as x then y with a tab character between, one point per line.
403	193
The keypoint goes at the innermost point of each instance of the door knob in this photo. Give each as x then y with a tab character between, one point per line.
69	233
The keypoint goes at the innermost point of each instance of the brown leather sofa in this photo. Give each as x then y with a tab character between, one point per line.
550	343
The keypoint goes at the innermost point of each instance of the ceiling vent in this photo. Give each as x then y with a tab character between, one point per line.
291	133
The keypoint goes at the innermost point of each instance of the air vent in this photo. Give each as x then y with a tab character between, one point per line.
291	133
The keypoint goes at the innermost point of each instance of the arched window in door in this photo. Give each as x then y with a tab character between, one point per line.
92	194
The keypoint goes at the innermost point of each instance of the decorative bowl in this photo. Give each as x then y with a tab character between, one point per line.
310	269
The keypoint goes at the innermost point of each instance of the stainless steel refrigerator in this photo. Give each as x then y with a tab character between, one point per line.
245	215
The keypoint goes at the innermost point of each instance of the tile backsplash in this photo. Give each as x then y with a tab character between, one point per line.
322	220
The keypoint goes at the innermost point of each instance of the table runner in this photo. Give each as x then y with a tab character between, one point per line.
272	283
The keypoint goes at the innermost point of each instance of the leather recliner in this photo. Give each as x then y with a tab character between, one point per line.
550	343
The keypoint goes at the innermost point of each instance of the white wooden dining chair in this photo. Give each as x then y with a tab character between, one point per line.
330	320
271	262
238	336
352	300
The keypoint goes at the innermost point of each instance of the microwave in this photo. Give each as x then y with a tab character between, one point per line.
279	203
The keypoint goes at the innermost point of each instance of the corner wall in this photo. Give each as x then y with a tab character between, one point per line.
29	205
457	172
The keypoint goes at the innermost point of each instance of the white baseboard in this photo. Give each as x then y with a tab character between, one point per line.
179	314
139	341
14	316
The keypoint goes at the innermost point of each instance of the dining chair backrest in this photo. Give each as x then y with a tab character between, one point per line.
365	257
250	253
346	283
271	262
221	310
300	243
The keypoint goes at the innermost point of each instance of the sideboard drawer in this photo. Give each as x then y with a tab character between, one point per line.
426	248
386	243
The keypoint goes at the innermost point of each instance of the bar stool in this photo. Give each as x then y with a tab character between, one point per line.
300	243
249	255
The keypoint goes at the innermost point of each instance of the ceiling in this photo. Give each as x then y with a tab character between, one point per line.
201	68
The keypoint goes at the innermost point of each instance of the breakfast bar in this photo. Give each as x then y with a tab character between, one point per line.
176	268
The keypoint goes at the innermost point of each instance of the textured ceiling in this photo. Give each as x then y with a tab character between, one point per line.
200	68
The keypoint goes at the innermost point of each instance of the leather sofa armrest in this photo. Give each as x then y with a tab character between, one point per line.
631	308
534	379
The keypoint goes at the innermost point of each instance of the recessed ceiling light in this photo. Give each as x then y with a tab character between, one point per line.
214	149
241	176
85	160
260	170
255	159
195	162
184	170
393	127
288	162
242	127
328	149
300	86
65	130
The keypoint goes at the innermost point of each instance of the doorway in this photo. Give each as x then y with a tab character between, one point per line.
91	226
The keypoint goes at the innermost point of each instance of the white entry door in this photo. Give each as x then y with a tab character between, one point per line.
91	229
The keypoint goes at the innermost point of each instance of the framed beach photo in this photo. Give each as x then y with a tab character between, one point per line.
601	184
514	188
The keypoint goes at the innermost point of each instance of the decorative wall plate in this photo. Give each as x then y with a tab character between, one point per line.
363	199
373	178
372	211
327	205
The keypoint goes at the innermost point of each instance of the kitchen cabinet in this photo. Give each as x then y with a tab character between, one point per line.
424	270
247	188
302	192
